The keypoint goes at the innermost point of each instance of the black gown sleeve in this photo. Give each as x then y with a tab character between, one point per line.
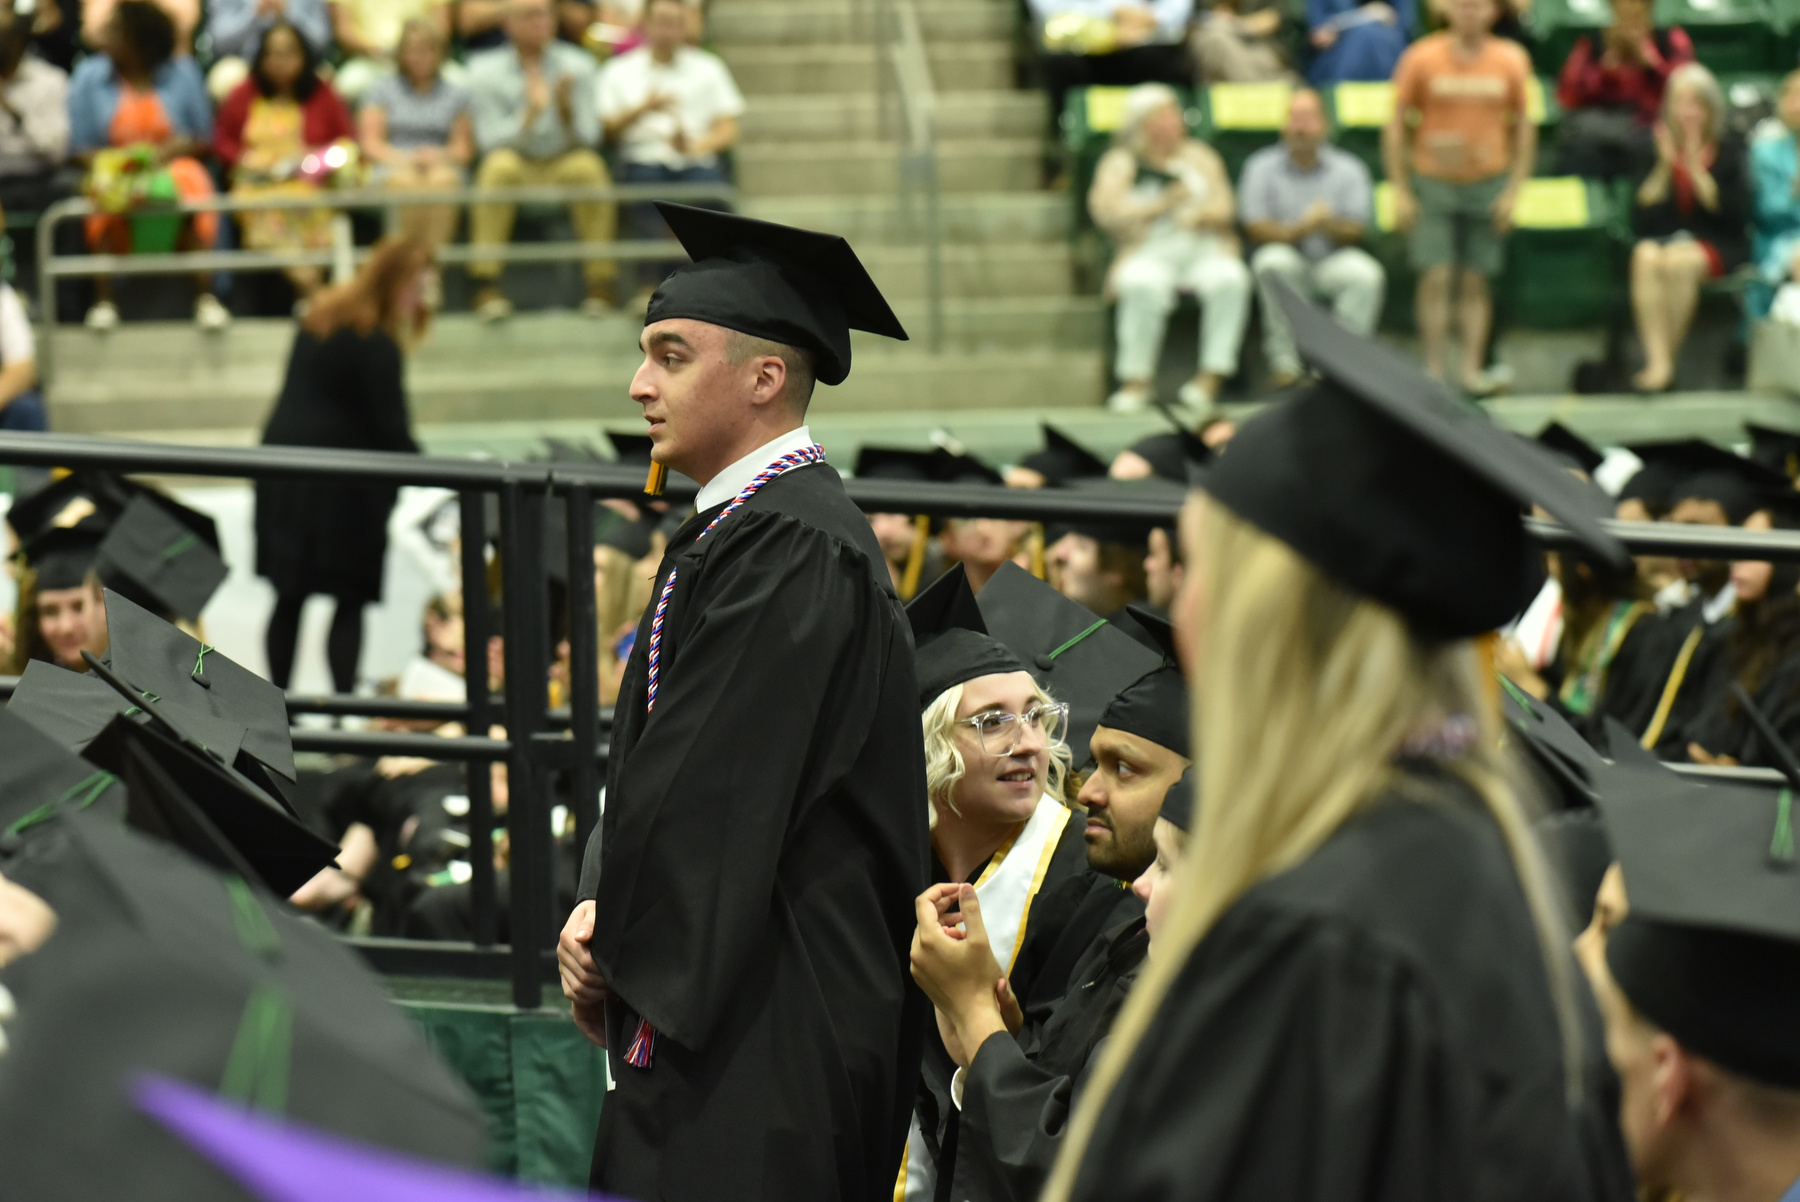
1014	1112
1294	1059
764	703
381	377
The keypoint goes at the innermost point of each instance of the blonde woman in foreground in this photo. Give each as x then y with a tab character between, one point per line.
1358	989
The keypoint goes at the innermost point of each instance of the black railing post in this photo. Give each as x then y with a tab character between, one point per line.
525	609
584	663
478	776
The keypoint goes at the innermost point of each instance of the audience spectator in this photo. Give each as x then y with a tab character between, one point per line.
1692	219
21	402
1237	41
481	24
34	143
266	127
1357	41
415	129
1458	149
1611	97
368	35
139	94
97	15
345	387
536	123
1306	205
56	31
671	109
237	28
1087	42
1775	176
1165	200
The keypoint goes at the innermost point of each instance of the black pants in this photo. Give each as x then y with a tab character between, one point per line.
1161	62
343	646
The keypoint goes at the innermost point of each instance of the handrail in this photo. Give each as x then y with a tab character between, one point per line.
903	33
52	266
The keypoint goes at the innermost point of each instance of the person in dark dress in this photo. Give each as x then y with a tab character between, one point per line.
345	387
747	901
1360	987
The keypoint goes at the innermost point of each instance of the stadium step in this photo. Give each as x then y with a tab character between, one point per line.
765	70
793	22
805	168
960	114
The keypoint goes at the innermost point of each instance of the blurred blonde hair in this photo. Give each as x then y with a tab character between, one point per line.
1705	84
1303	691
944	765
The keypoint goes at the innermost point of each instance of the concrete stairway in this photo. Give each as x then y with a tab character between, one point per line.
812	154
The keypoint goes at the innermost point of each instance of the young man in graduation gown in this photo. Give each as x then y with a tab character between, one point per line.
1017	1071
741	946
1694	955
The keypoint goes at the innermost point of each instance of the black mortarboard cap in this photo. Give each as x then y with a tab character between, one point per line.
951	645
160	562
631	448
1688	468
789	285
1155	705
1131	533
1710	950
70	707
224	988
1567	761
1173	455
1777	450
1382	481
39	777
962	468
1077	657
1561	440
67	501
62	556
188	775
1178	802
152	656
898	463
1062	459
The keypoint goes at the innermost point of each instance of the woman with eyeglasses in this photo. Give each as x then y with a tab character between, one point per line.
996	767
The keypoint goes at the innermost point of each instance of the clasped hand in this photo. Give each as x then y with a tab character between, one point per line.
582	983
954	964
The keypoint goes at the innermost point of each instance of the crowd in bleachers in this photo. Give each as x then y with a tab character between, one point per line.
1690	155
164	99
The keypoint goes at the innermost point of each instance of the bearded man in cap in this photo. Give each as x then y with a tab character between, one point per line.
741	946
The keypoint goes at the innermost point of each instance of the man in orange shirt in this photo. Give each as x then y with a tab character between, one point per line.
1457	150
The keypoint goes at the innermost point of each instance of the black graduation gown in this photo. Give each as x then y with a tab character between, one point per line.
1018	1093
1643	669
1723	728
1373	1023
764	837
330	536
1072	908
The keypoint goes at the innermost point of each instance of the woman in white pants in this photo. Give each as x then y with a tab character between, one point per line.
1165	201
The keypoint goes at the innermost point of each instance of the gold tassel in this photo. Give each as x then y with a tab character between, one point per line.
915	558
659	476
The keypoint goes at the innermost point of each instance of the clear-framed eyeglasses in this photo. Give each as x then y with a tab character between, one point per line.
1000	733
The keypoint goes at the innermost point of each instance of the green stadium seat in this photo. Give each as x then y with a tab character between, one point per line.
1244	118
1729	35
1786	14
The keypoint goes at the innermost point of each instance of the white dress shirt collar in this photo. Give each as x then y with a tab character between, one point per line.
731	481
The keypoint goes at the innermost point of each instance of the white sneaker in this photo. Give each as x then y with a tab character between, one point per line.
103	317
1129	400
209	314
1195	403
494	309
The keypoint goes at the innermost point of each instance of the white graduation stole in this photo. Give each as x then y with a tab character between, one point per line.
1006	891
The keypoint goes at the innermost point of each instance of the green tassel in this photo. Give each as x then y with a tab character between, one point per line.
185	542
254	930
1076	639
256	1074
1781	845
78	796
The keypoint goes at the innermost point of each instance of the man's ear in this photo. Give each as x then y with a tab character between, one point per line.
770	382
1671	1078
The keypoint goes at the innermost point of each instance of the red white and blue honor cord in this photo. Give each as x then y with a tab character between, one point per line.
643	1043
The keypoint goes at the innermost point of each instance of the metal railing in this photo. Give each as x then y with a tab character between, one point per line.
52	266
542	743
906	85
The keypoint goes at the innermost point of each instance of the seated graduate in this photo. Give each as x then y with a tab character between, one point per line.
1018	1071
997	766
1760	650
1361	988
1694	956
